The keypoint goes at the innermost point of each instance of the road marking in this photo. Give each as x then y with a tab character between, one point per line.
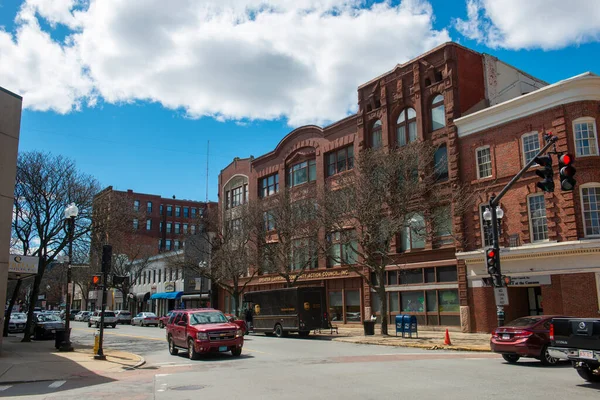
57	384
3	388
254	351
123	334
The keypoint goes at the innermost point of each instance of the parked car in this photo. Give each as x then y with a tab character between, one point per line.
123	316
72	314
83	316
145	319
162	321
239	322
578	340
202	331
17	322
110	319
524	337
46	326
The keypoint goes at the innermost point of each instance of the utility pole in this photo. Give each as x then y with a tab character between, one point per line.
494	202
106	264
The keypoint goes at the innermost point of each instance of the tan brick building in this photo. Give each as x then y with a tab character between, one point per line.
417	100
550	242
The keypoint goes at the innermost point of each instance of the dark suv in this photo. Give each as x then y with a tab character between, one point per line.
203	331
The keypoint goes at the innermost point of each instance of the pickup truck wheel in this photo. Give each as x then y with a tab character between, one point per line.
236	352
587	374
89	325
192	354
278	331
546	359
172	349
114	326
511	358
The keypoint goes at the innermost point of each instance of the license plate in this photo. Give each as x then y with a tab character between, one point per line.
223	348
505	337
586	354
53	331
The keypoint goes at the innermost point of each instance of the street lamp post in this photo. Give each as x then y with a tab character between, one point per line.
494	217
71	213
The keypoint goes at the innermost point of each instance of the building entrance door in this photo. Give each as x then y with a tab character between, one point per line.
534	295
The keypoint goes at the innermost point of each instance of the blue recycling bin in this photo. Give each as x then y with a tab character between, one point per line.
409	326
399	324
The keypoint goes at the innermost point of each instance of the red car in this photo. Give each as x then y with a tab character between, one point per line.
524	337
201	331
162	321
239	322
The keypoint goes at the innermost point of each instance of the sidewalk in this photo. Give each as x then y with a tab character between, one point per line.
427	339
40	361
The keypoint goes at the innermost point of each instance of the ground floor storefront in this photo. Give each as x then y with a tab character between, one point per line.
549	279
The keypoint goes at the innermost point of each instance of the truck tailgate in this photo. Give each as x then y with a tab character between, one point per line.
579	333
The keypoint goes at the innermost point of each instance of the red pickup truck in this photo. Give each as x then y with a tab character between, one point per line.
203	331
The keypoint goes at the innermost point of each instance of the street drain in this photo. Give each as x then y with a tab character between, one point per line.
187	387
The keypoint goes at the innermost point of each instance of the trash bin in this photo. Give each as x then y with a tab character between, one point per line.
59	338
369	328
399	324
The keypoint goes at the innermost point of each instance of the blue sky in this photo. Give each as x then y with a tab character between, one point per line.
135	107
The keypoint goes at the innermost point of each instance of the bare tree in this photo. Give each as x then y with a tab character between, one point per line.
389	196
114	216
45	185
224	251
289	239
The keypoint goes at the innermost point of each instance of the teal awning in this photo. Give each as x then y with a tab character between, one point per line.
166	295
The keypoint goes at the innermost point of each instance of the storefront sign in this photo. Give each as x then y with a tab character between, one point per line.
308	275
530	280
23	264
169	286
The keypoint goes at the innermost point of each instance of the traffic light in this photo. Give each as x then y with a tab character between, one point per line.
567	172
120	280
491	256
547	185
106	258
96	279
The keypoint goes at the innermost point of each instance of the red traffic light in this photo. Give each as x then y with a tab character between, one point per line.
566	159
96	279
491	253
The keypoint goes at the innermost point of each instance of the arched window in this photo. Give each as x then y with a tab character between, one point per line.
406	127
376	135
441	163
438	113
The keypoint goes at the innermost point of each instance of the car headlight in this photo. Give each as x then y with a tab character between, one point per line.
202	336
239	333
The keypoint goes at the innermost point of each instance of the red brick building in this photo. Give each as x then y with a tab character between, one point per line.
161	223
417	100
550	241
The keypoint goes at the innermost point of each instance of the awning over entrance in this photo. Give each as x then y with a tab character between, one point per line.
198	296
166	295
142	296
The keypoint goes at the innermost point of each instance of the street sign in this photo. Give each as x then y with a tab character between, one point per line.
501	295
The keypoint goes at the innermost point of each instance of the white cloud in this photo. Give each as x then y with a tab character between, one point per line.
518	24
229	59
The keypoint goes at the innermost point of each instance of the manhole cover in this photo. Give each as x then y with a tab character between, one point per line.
187	387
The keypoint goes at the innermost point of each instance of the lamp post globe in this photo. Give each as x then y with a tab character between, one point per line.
487	215
499	212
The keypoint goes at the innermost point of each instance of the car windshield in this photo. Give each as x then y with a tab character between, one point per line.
18	316
48	318
109	314
525	321
149	314
200	318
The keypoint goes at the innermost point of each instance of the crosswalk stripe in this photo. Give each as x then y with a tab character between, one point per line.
57	384
3	388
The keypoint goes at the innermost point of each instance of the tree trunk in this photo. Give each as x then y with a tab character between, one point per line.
382	299
13	299
32	300
236	300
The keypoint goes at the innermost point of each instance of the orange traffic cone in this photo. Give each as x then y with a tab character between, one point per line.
447	341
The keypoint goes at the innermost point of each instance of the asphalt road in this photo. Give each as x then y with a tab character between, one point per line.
308	368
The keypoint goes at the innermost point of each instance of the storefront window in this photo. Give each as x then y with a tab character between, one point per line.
411	276
430	275
431	300
374	304
394	305
446	274
336	307
412	301
448	300
392	277
352	306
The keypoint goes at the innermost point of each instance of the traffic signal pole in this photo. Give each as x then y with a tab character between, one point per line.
495	201
106	263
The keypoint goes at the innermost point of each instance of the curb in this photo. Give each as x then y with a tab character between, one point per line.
139	364
416	345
